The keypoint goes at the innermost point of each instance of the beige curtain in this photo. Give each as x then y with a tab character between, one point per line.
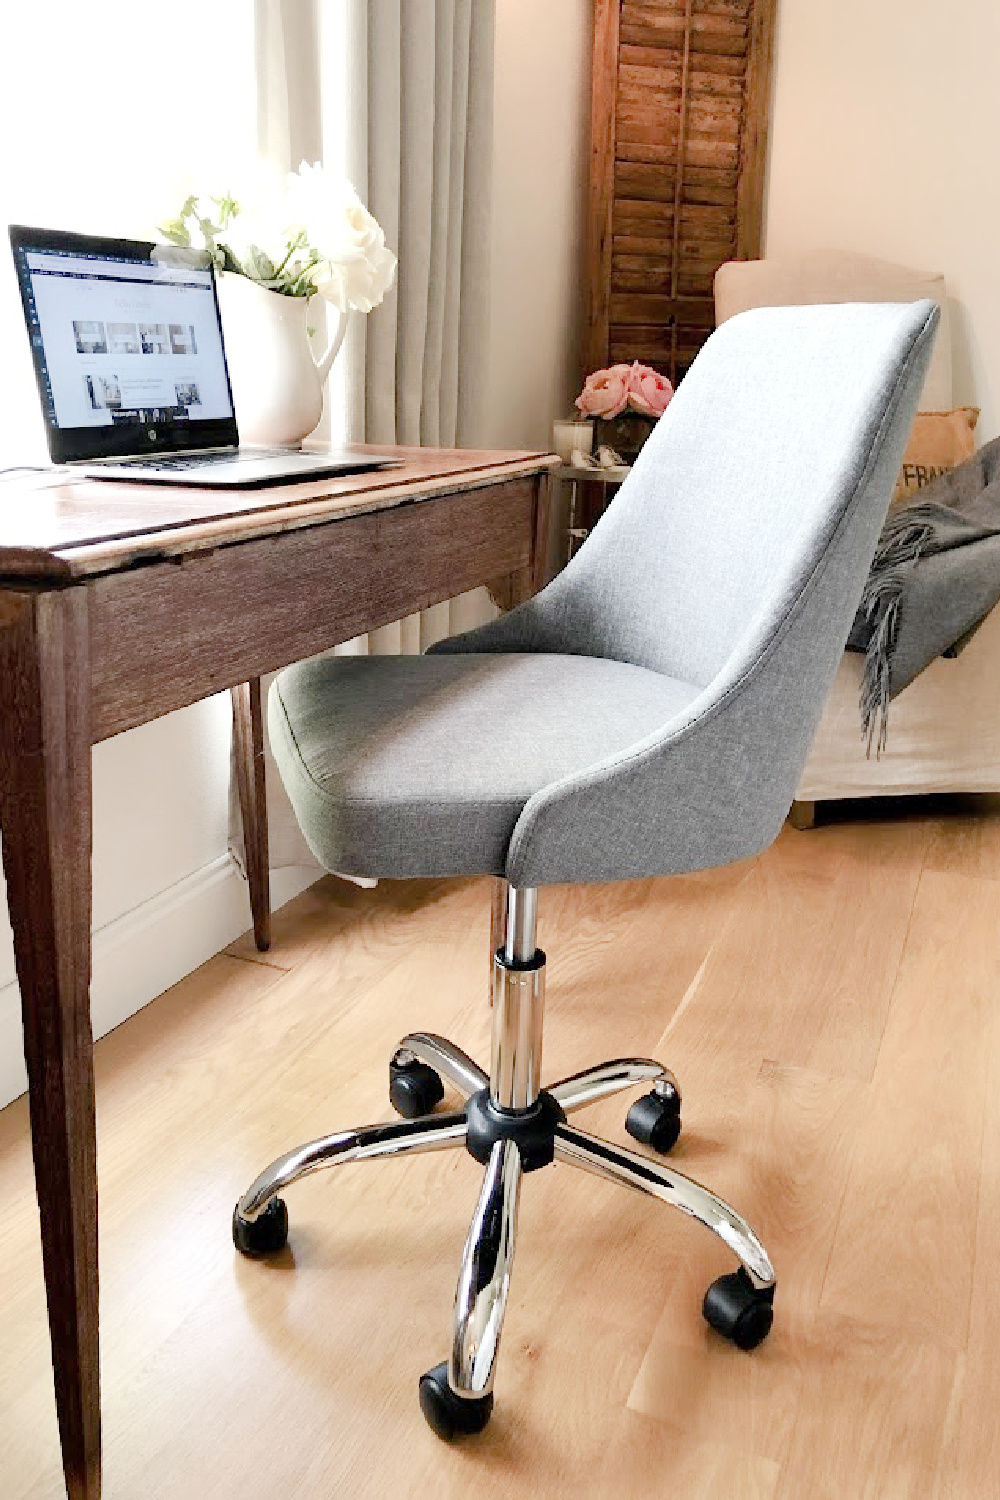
420	152
418	147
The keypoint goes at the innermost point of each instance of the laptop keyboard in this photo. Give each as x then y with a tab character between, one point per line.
204	460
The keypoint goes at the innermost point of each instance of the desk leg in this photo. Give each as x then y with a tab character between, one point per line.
513	588
45	810
248	740
540	544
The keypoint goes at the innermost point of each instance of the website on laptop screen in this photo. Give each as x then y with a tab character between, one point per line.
124	342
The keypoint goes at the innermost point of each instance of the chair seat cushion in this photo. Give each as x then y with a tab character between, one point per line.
421	765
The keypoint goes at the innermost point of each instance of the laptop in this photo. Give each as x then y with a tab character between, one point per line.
127	346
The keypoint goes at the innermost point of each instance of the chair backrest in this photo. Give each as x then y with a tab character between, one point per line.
733	558
736	493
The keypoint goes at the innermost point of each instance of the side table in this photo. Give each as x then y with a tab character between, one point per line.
606	479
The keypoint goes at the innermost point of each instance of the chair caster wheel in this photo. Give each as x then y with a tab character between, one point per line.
736	1309
655	1120
264	1236
451	1416
414	1088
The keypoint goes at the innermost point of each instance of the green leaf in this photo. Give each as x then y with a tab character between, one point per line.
228	208
209	230
260	265
176	231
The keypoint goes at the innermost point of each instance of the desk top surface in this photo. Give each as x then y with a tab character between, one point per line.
55	528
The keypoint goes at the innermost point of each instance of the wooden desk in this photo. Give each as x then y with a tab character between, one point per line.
119	603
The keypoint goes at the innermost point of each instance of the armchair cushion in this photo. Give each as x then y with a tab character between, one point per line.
825	276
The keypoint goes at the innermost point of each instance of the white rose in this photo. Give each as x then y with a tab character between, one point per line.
358	281
357	268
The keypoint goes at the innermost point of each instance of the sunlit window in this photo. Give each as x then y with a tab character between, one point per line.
105	110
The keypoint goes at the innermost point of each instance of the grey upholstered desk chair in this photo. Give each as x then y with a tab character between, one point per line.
647	713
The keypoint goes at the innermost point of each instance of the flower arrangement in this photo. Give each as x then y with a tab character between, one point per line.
299	235
635	387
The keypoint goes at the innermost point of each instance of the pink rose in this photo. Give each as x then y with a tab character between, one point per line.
605	393
648	392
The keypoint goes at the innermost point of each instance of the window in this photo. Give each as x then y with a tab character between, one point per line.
105	111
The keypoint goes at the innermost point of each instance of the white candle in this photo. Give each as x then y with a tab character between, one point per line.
569	435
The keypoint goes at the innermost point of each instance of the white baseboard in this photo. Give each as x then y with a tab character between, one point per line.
139	955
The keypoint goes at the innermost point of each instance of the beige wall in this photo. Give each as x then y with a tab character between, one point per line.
885	141
541	138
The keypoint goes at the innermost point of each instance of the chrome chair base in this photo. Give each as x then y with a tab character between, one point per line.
516	1128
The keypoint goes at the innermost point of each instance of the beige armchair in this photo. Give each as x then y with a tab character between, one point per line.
944	729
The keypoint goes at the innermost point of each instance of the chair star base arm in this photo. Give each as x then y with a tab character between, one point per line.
397	1138
464	1075
581	1089
484	1278
630	1169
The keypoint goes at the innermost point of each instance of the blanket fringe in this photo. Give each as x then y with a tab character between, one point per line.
903	538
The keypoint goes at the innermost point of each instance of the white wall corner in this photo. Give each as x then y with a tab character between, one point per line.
145	951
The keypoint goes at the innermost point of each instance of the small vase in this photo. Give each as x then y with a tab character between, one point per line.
276	382
626	433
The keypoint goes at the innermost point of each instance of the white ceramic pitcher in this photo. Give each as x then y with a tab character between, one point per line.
277	384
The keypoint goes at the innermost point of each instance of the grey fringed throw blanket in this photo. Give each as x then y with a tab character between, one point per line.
935	577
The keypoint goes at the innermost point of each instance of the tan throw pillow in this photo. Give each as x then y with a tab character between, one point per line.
939	440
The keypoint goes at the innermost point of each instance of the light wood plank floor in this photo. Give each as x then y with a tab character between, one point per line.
833	1013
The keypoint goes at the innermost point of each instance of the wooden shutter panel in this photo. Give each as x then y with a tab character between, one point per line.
681	96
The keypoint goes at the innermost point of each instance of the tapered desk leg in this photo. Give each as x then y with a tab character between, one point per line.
45	811
544	484
248	743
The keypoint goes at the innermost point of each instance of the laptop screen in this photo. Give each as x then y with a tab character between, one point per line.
127	345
